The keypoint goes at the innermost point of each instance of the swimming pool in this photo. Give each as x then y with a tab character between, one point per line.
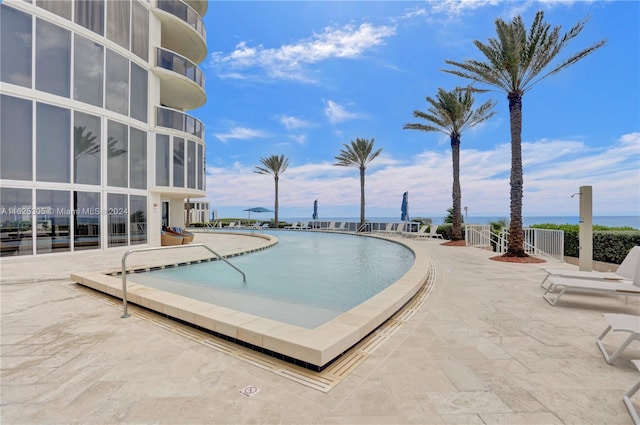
307	279
315	348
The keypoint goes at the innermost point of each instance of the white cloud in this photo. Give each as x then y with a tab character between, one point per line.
613	172
240	133
337	113
288	62
292	123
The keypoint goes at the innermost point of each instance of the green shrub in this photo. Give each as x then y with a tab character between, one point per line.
446	230
610	244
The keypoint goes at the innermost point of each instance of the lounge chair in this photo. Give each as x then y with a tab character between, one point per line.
627	397
433	232
625	288
619	323
294	226
625	270
170	239
342	227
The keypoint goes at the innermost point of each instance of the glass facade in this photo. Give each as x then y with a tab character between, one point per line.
80	157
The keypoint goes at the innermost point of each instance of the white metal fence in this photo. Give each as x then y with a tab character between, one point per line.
538	242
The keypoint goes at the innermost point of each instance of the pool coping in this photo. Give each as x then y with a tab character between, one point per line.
311	348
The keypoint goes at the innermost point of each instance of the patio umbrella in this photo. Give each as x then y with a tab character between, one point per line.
405	207
256	210
315	210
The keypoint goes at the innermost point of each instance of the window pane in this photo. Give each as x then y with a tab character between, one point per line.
16	138
117	154
138	166
53	147
15	46
162	160
178	162
140	30
53	216
59	7
117	97
87	141
86	220
53	58
139	90
117	215
16	222
88	70
138	219
191	164
118	22
200	166
90	14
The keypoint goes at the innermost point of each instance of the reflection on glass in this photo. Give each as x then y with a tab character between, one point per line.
191	164
162	160
15	47
86	224
90	14
88	71
200	167
86	148
139	93
117	154
178	162
53	58
140	30
117	217
53	147
138	219
16	138
117	83
53	216
138	155
16	222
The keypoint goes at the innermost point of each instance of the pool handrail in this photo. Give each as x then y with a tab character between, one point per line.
125	313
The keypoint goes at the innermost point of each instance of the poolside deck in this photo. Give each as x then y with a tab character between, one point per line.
483	348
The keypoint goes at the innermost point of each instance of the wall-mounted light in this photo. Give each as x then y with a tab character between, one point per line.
577	193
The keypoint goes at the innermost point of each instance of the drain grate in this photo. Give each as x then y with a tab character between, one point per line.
323	381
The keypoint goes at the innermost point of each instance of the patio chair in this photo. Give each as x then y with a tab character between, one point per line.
433	232
627	397
619	323
625	288
624	272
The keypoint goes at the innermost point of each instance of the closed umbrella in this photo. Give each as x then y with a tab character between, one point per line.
405	207
315	210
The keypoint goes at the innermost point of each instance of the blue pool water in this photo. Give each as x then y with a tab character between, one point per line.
306	279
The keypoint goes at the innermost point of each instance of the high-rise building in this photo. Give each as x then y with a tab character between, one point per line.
96	148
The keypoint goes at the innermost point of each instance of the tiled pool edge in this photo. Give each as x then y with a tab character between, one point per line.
315	349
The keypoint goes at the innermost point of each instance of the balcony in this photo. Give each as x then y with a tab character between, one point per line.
176	120
181	81
200	6
182	29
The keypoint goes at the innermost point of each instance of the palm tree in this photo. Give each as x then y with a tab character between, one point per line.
359	153
274	165
451	113
516	61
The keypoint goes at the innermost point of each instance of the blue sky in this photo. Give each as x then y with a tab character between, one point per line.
300	79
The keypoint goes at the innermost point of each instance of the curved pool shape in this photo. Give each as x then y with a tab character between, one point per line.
313	348
305	280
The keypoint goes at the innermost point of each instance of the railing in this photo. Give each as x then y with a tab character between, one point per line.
183	11
125	313
540	242
167	59
177	120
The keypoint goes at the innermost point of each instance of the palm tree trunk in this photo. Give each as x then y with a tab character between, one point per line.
362	169
516	236
275	206
456	230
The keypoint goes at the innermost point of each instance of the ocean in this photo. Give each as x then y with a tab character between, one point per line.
604	220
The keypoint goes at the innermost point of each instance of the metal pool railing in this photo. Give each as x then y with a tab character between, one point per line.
125	313
542	242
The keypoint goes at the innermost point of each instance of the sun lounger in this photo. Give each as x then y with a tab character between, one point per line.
433	232
563	285
627	397
625	270
619	323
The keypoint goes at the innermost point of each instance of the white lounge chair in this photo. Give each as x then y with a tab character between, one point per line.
294	226
624	272
433	232
563	285
627	397
619	323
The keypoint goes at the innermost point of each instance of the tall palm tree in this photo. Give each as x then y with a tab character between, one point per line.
451	113
516	61
274	165
359	153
